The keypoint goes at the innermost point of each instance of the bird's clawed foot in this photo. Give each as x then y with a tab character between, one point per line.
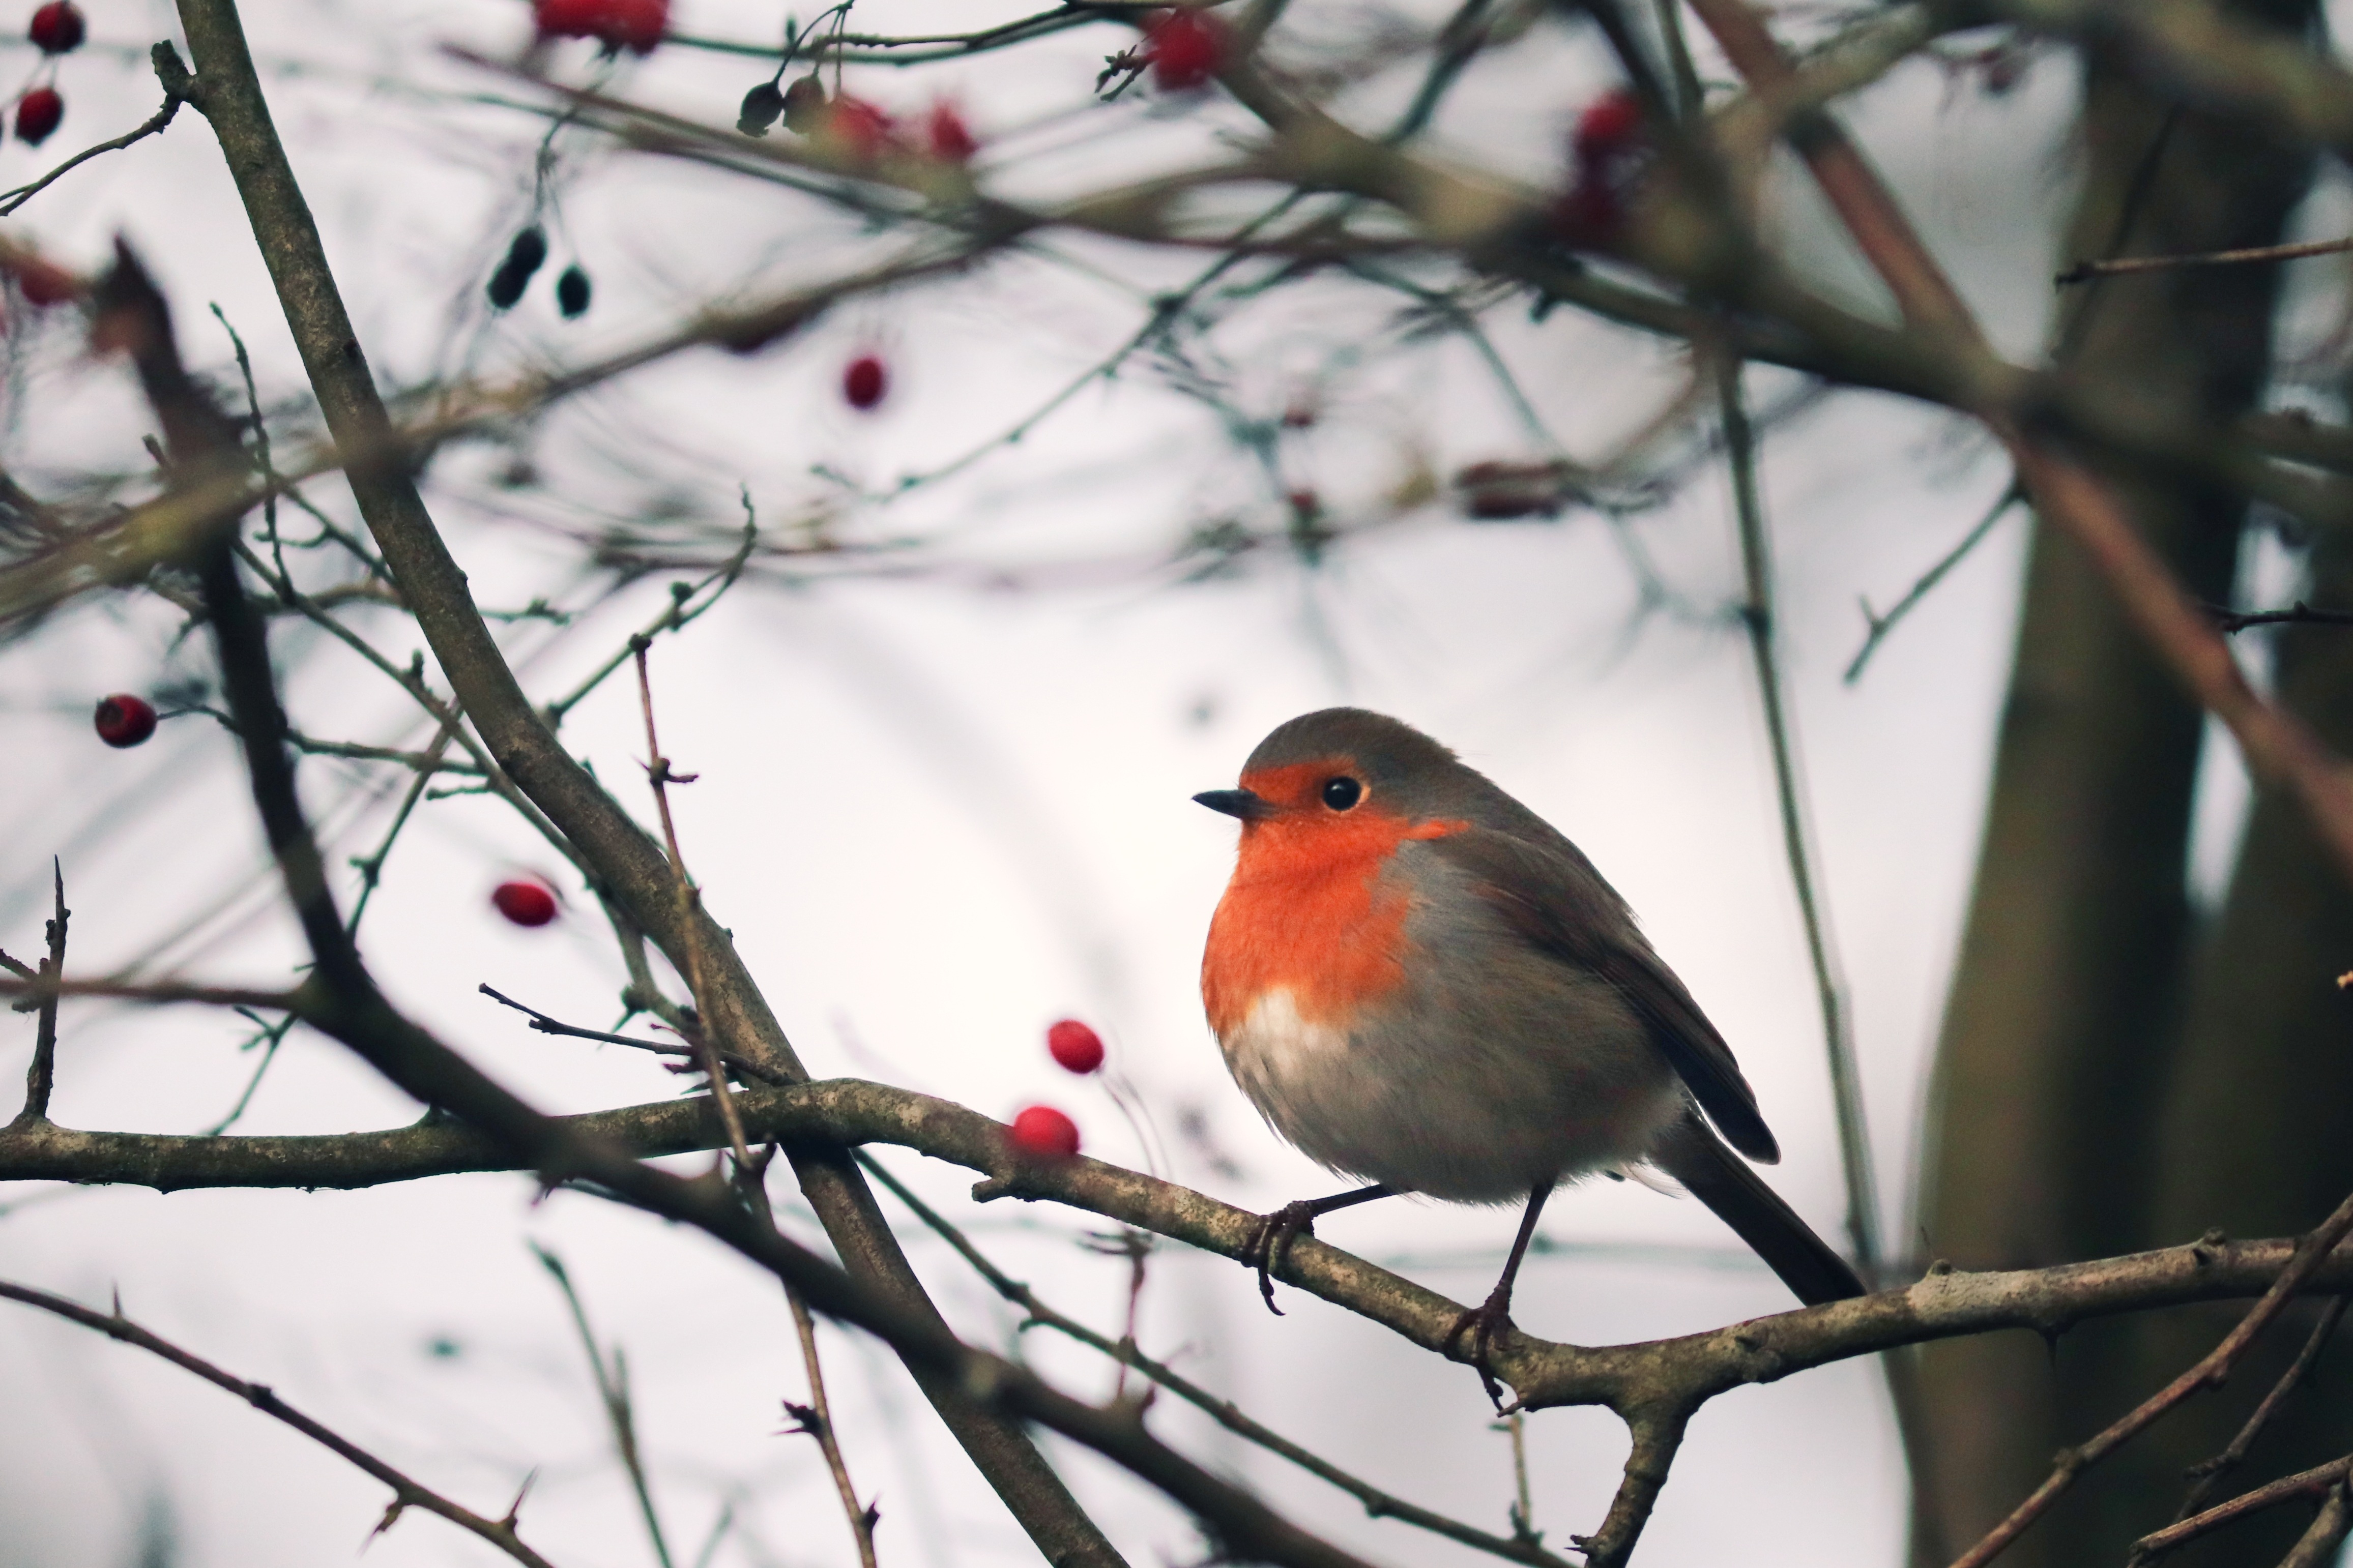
1272	1238
1487	1324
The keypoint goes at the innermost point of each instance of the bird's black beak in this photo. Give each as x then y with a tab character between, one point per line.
1238	802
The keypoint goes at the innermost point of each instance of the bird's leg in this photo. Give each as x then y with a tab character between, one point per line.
1491	1318
1275	1233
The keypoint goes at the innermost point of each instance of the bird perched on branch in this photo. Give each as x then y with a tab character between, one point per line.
1422	984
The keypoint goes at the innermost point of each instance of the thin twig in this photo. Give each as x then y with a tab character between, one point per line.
2211	1371
2211	1474
2297	615
407	1492
613	1390
690	899
817	1418
547	1026
1879	626
672	619
2084	272
2318	1480
11	200
40	985
1757	616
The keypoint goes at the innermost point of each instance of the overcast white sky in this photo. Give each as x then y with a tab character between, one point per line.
941	810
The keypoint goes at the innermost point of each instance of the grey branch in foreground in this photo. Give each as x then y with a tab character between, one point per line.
850	1111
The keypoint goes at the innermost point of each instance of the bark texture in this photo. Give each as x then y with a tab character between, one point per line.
2052	1072
2256	1124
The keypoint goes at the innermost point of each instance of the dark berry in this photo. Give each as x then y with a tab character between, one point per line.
38	114
528	251
514	274
805	103
864	381
58	28
123	721
572	292
761	107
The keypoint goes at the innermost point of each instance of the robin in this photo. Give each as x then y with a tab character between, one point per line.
1424	987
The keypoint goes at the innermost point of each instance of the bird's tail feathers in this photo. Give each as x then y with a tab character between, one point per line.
1719	1178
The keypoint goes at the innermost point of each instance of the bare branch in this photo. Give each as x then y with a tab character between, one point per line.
40	1077
2210	1373
407	1492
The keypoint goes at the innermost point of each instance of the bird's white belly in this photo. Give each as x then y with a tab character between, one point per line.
1275	1054
1401	1103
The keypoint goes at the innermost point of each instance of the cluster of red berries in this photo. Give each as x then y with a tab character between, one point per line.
1612	151
1185	49
1041	1132
57	28
634	24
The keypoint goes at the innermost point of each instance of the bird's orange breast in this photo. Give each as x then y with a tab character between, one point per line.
1305	913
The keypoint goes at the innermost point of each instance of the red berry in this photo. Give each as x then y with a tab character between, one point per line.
1608	123
859	129
1075	1046
38	113
58	28
123	721
43	282
945	135
524	901
1185	49
637	25
1042	1132
864	381
566	18
1612	157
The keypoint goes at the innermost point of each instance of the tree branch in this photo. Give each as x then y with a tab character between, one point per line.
519	740
407	1492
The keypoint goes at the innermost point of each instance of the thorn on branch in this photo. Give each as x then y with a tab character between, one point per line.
392	1513
807	1421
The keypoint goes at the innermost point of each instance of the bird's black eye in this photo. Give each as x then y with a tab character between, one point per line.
1342	793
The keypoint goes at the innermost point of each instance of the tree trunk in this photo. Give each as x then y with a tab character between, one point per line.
2048	1079
2256	1132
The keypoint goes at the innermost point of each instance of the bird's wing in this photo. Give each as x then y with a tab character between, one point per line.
1552	896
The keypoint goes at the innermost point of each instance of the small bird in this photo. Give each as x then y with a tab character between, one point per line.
1423	985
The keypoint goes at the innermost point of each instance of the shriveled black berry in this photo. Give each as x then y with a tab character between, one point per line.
805	105
529	249
761	107
506	287
572	292
514	274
